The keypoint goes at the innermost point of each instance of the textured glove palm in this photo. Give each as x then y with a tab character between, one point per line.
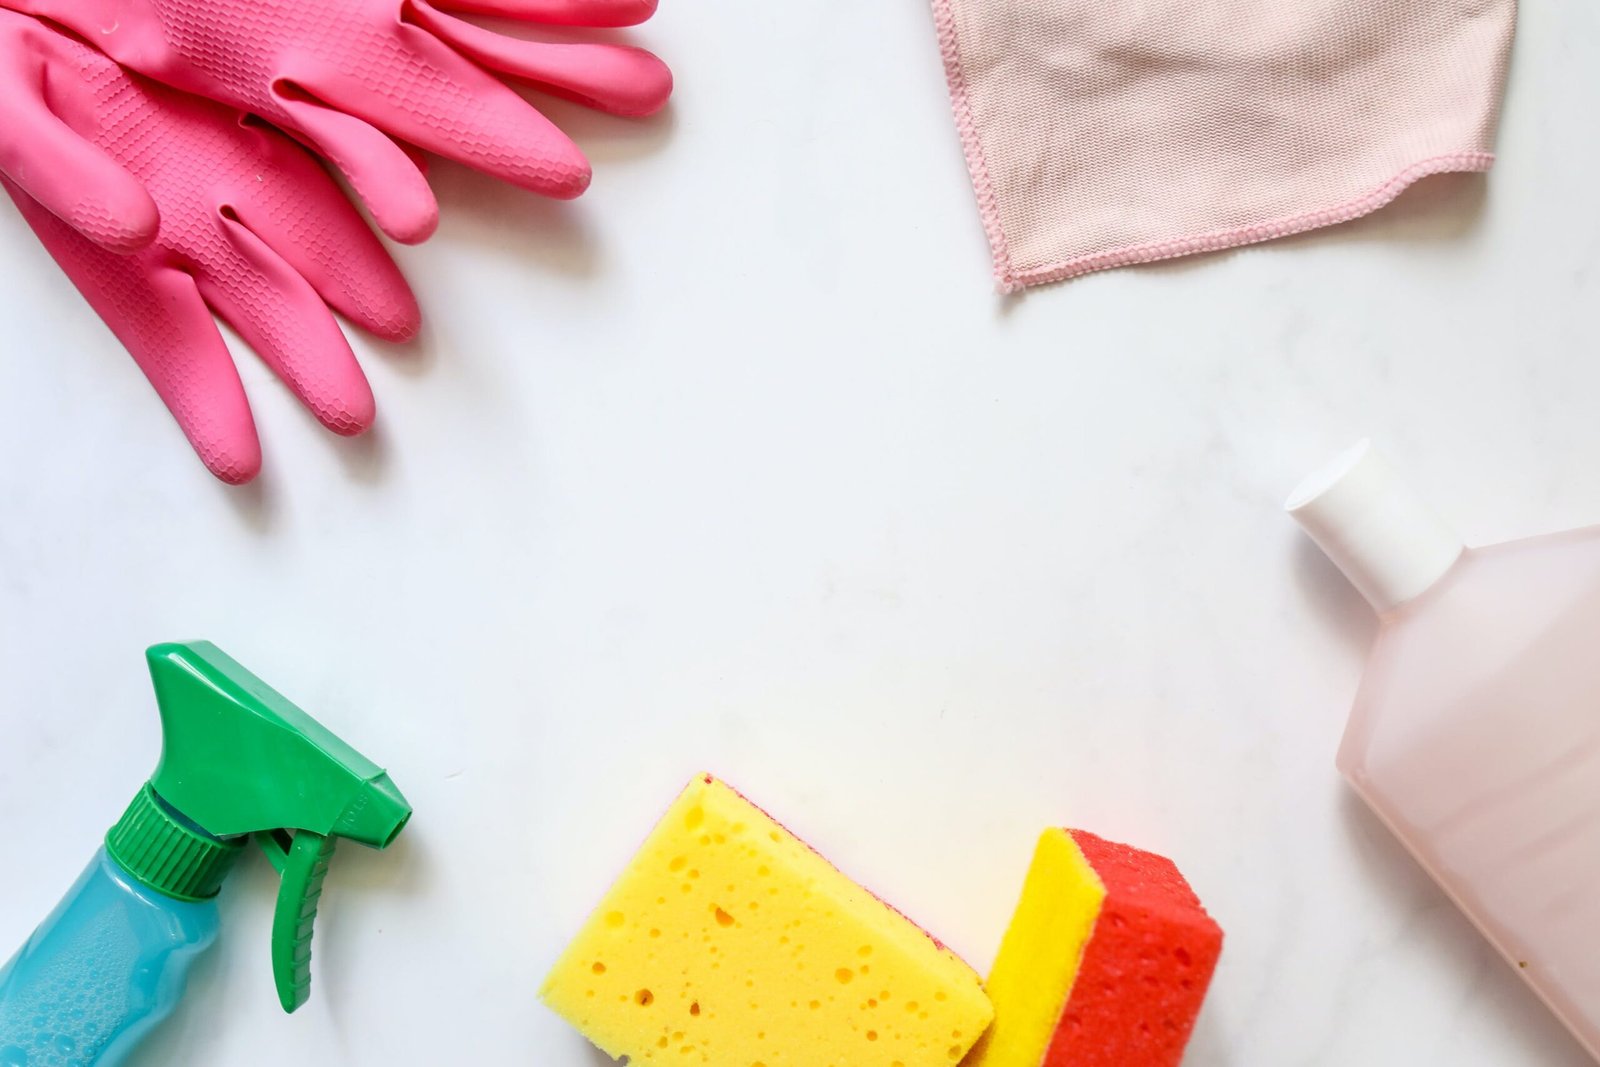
346	76
163	208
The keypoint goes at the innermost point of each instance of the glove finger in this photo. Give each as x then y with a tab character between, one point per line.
561	12
449	105
281	316
326	241
380	171
608	77
192	370
51	162
159	317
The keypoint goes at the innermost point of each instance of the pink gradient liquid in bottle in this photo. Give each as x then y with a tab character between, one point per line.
1476	731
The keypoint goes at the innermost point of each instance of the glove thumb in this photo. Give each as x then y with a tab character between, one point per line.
51	161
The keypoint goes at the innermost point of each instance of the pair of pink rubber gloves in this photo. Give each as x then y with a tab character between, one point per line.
167	207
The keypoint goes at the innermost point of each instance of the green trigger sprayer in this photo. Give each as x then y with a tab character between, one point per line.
238	762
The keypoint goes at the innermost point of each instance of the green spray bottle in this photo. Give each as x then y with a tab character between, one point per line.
238	763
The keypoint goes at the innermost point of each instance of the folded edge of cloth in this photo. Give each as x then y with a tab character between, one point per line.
1106	135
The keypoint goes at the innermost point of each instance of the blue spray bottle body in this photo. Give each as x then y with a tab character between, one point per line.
107	965
239	763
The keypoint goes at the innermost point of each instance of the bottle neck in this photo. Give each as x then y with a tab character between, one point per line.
163	851
1385	538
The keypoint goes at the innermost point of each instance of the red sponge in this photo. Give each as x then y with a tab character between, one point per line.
1106	962
1145	971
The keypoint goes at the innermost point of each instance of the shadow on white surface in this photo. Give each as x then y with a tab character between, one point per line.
1333	599
1209	1045
1439	210
365	460
608	140
251	503
1442	209
365	457
359	881
484	213
412	359
553	236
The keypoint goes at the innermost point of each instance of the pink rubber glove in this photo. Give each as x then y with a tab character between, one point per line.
346	76
250	227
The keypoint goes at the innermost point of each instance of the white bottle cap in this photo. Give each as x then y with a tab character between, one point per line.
1384	538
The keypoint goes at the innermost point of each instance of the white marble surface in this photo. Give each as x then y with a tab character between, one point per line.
739	464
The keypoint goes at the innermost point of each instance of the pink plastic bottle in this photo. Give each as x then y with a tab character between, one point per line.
1476	732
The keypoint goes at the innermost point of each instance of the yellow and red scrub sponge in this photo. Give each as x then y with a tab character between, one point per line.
1105	964
728	941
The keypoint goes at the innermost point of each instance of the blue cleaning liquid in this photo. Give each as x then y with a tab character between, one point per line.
107	965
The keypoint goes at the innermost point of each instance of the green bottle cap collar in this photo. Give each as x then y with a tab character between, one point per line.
154	846
238	759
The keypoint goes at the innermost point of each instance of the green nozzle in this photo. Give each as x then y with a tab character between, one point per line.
238	759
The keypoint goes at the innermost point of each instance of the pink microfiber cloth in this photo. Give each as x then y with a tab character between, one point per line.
1102	133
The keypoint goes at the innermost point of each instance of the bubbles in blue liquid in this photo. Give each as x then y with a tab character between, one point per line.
100	971
70	1004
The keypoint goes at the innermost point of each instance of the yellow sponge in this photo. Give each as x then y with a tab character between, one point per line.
1040	955
728	941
